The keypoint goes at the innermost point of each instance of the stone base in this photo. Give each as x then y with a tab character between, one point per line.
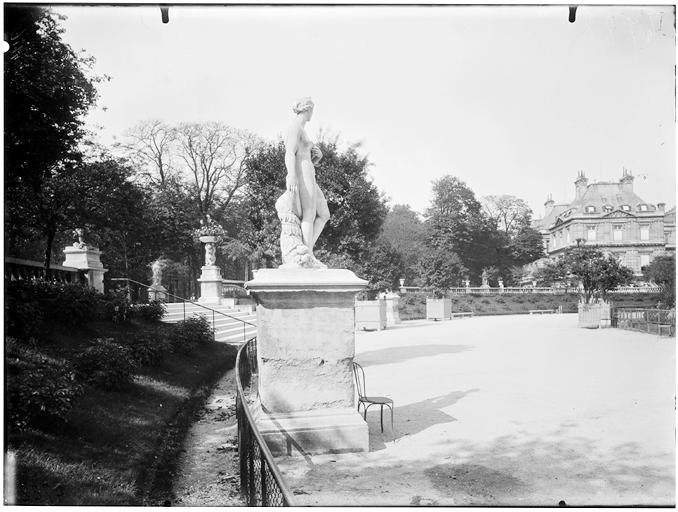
305	338
158	292
340	430
211	285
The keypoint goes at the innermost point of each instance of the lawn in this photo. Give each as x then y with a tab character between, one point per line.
412	306
116	447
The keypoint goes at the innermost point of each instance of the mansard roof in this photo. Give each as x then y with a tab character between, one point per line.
550	217
608	194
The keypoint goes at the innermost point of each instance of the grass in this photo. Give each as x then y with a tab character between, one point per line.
413	306
117	447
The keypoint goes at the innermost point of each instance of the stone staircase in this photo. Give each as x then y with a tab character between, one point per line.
227	329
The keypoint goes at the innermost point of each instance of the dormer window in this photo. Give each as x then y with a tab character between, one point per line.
626	208
642	208
590	209
607	208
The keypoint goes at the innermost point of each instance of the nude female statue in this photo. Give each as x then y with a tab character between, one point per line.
300	157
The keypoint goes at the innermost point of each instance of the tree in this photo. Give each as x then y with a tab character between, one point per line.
148	145
47	91
357	208
442	270
525	246
404	231
215	157
383	267
662	272
511	214
456	223
596	272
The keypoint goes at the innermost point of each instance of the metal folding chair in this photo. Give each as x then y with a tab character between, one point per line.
368	401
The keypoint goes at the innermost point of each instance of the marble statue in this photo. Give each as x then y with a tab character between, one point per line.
484	277
210	253
302	209
156	268
80	233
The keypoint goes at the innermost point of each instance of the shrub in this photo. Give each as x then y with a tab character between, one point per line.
151	312
40	390
23	316
114	306
69	304
105	364
189	333
149	349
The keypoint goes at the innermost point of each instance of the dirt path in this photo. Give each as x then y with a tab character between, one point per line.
208	465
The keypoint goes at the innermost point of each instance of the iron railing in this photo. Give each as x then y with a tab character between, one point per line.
183	300
261	483
17	269
652	321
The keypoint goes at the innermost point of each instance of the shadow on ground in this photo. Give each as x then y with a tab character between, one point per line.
513	470
406	353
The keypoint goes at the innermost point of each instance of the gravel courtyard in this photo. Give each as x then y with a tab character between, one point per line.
514	410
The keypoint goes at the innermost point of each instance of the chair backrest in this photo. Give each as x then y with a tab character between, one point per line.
359	375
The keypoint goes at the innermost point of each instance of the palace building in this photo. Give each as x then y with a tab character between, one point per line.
611	217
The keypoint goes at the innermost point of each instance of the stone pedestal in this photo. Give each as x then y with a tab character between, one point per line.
157	292
305	347
89	259
210	284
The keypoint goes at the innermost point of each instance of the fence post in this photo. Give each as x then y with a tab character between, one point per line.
264	494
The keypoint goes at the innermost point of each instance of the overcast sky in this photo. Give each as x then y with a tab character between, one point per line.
512	100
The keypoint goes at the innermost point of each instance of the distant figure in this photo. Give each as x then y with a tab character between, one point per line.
300	157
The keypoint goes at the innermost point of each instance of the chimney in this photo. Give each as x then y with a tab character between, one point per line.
626	181
580	184
548	205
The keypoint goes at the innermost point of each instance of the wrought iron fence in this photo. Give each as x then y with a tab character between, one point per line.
261	483
652	321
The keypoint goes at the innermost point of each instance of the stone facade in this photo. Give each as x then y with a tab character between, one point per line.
611	217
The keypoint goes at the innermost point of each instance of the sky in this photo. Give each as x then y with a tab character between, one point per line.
512	100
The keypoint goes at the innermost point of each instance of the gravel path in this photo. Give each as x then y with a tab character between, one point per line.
510	411
208	466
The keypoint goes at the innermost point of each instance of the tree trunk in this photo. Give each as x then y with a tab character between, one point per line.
50	234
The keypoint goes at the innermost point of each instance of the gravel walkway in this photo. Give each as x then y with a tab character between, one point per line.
208	466
513	411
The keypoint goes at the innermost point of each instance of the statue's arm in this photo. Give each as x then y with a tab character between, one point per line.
291	144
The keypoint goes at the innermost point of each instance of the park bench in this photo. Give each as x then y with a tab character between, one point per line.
542	311
462	314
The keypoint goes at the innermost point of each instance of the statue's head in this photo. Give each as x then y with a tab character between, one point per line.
304	106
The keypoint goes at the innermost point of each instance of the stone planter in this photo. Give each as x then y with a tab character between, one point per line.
208	239
594	316
392	313
438	309
370	315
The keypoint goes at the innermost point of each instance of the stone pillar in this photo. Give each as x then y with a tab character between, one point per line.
87	258
305	350
211	282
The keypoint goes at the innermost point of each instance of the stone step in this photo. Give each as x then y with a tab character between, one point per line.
227	329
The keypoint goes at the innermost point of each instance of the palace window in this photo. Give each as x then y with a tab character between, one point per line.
607	208
617	233
642	208
644	260
626	207
590	209
591	233
644	233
